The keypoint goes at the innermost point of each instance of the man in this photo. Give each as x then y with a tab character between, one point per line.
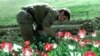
42	15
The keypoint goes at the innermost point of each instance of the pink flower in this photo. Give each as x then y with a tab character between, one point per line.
48	47
68	35
60	34
6	46
82	33
90	53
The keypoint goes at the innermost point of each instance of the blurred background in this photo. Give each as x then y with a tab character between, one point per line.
80	9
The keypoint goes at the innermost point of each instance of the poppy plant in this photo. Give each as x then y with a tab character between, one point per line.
16	47
89	53
38	52
60	34
71	47
87	41
27	51
94	34
81	43
26	43
76	38
48	47
68	35
96	43
82	33
6	46
44	54
54	45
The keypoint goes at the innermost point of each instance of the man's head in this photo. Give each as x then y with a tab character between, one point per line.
64	15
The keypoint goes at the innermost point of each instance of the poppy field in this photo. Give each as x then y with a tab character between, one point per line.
81	44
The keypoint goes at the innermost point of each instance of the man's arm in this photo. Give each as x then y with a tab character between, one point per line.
49	31
48	21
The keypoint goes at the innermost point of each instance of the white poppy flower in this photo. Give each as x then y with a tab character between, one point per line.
16	47
55	45
6	49
71	47
94	34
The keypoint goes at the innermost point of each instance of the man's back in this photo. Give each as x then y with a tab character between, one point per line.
40	11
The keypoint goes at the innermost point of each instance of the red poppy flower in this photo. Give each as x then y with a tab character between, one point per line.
48	47
27	43
44	54
27	51
76	38
81	43
97	43
82	33
6	46
87	41
90	53
60	34
37	52
68	35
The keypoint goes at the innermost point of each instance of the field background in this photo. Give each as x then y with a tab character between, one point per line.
80	9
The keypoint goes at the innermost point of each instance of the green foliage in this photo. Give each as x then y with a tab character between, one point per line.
63	49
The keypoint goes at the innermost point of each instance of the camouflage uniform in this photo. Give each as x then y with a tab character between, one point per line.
44	15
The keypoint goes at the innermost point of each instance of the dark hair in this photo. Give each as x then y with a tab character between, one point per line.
66	13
